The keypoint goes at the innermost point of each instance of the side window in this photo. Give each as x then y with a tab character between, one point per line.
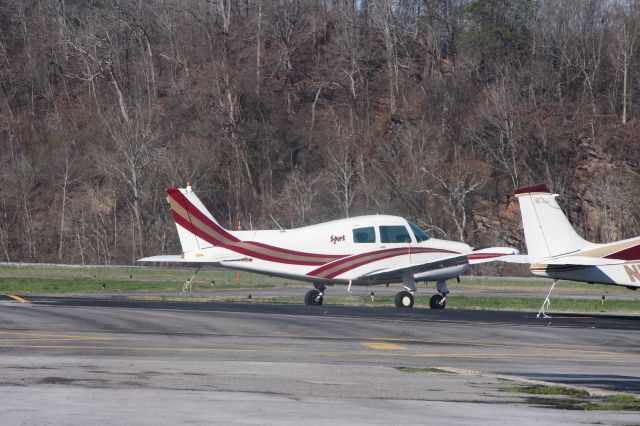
394	234
364	235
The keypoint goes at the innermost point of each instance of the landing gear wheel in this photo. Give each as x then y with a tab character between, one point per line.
313	297
404	299
434	302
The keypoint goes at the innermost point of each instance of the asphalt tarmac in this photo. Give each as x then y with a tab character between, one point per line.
105	360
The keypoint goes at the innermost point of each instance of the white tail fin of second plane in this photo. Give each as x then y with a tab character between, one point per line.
547	230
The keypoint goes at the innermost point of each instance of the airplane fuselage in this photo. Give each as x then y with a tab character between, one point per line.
614	264
341	251
625	275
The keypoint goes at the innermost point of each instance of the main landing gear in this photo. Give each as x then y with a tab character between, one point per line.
315	296
404	299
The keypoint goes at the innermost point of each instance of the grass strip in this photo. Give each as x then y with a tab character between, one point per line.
616	402
548	390
83	285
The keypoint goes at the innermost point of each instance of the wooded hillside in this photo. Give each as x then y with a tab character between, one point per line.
309	110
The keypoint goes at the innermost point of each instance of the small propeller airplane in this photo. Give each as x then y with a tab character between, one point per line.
556	251
363	250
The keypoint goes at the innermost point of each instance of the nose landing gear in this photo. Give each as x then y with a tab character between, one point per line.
315	296
438	301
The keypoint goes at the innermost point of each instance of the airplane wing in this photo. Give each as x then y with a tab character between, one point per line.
390	273
490	254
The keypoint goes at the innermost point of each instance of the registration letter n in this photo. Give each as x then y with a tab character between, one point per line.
633	272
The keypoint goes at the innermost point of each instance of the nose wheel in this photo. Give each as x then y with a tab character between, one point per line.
315	296
438	301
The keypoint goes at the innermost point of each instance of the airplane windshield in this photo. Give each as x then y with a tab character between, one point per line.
420	234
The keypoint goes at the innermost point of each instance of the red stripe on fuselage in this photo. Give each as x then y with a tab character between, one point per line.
313	259
276	259
370	257
296	253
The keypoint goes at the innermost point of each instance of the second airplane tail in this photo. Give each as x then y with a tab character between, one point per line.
197	229
547	230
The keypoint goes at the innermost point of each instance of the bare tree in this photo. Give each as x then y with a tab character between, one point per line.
456	185
625	38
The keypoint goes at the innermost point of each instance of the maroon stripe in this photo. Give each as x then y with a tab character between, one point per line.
484	255
391	253
297	253
195	230
183	222
364	262
262	256
632	253
247	252
349	259
192	210
541	187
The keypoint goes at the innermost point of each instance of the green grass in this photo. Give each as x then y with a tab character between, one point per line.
25	279
616	402
548	390
83	285
534	303
60	279
128	273
619	402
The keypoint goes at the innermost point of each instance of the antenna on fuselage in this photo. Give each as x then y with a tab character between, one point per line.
276	222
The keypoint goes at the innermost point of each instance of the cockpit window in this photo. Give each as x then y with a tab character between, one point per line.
364	235
420	234
394	234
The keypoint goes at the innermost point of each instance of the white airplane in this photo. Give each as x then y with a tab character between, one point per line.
364	250
556	251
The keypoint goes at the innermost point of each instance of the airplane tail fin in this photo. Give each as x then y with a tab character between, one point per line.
547	230
197	229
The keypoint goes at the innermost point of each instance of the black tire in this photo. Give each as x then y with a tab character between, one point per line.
404	300
311	298
434	302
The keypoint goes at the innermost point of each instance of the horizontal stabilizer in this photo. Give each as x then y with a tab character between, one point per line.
491	254
190	259
583	261
172	258
514	258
